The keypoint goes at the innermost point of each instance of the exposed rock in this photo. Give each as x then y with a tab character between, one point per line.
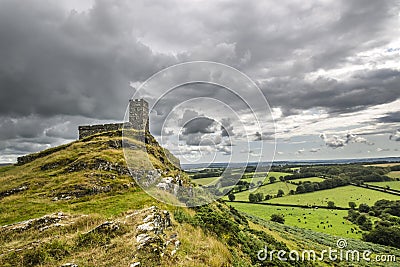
69	265
98	164
152	240
146	178
106	227
13	191
40	224
146	227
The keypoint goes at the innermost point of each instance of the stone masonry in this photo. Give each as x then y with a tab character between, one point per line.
138	119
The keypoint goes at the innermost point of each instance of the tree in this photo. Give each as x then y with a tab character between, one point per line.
252	198
272	179
280	193
231	197
352	205
331	204
388	236
364	223
278	218
363	208
268	197
291	192
300	189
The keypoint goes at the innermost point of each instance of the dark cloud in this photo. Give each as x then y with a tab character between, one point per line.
227	128
364	89
199	125
390	117
265	136
57	62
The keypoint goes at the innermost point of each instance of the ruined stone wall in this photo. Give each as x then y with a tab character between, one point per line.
88	130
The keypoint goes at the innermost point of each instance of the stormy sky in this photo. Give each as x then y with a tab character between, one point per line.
329	70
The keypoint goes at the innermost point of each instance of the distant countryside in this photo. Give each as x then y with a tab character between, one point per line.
347	200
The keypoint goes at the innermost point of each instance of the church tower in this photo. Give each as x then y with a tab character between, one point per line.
139	114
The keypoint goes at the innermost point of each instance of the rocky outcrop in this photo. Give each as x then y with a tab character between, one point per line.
155	237
13	191
98	164
41	224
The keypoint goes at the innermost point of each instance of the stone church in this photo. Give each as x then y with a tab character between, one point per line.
138	119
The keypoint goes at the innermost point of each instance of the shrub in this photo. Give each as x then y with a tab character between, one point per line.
278	218
363	208
331	204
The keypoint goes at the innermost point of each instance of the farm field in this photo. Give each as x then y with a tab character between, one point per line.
315	219
394	174
309	179
205	181
270	189
341	196
265	178
393	184
384	165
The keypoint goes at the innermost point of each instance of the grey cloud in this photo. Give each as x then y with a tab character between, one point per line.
227	128
69	63
364	89
199	125
341	141
391	117
315	150
395	136
265	136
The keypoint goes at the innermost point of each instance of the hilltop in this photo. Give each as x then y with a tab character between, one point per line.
77	205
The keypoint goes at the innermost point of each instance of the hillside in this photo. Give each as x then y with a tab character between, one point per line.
76	205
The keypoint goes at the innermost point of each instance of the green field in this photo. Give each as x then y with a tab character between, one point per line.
266	178
250	179
392	184
341	196
394	174
314	217
310	179
206	181
270	189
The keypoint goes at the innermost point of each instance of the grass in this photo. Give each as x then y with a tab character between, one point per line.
394	174
269	189
313	218
20	208
248	177
391	184
206	181
341	196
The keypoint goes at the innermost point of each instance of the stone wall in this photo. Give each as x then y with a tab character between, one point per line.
88	130
139	114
